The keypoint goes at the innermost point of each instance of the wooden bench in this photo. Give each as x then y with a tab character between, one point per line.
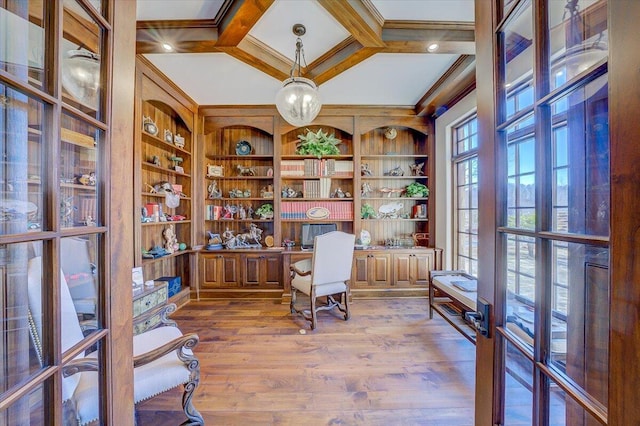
449	298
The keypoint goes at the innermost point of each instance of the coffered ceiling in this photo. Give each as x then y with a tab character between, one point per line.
359	52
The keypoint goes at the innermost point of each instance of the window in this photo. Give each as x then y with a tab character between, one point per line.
465	166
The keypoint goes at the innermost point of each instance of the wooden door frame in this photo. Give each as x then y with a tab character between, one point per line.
624	133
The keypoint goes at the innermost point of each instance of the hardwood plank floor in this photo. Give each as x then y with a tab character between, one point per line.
388	365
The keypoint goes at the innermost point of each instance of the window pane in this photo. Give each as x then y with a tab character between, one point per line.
22	40
578	38
518	401
28	410
21	144
563	410
581	160
78	173
21	299
521	185
518	58
580	325
81	53
521	287
79	260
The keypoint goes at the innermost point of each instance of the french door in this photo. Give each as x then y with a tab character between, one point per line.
546	167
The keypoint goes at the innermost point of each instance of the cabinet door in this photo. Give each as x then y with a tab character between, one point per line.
251	272
402	269
421	265
271	268
379	270
220	271
360	272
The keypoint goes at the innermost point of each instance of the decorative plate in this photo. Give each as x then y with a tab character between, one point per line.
243	148
268	240
318	213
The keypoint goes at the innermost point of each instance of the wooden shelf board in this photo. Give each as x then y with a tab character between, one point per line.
161	143
151	166
169	256
168	222
156	195
315	220
77	186
393	156
239	177
315	177
239	198
325	157
239	157
240	220
392	177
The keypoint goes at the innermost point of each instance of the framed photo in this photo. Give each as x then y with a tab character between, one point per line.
179	169
215	171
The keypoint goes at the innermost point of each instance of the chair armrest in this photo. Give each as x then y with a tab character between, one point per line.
301	267
163	310
187	341
79	365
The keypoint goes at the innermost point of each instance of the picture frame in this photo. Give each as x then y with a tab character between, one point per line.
215	170
168	136
179	169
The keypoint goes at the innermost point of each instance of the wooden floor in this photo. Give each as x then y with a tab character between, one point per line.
388	365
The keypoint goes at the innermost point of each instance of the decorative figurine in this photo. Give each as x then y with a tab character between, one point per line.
155	160
416	169
245	171
396	171
267	192
214	192
364	170
171	241
366	189
390	133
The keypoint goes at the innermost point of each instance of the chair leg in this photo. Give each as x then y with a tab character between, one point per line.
194	418
345	297
293	300
314	319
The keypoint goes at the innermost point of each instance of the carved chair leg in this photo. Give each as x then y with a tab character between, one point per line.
194	418
345	300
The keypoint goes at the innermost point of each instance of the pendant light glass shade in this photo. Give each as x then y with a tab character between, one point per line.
298	101
81	76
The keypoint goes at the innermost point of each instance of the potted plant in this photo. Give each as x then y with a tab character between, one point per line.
318	144
367	211
416	190
265	211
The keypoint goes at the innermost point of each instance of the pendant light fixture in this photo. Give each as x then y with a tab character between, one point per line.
298	101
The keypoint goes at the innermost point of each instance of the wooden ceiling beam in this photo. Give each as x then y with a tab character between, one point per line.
453	84
185	36
416	36
241	16
357	17
262	57
339	59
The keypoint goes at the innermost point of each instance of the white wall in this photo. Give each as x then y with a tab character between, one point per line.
444	175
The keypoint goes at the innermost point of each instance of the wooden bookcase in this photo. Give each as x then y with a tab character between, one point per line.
164	162
297	184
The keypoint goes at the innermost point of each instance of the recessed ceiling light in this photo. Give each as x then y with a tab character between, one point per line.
167	47
433	47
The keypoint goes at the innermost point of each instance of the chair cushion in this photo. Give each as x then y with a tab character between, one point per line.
303	284
151	379
162	374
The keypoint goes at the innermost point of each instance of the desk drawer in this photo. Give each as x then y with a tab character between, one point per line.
150	301
147	325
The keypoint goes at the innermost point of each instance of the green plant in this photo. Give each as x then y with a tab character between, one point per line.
416	189
318	144
264	209
367	211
